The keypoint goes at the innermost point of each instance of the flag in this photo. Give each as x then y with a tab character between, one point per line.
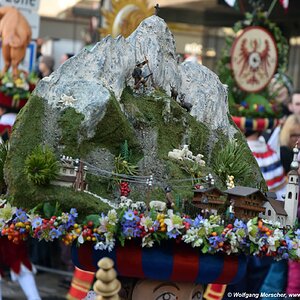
284	3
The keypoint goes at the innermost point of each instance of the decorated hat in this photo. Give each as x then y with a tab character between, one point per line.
253	58
166	262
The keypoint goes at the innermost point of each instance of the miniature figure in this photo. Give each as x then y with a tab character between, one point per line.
186	105
156	9
169	198
174	93
231	210
137	74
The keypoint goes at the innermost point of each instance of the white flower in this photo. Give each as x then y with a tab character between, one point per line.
174	221
146	222
80	239
278	234
7	212
271	241
147	241
192	236
100	246
112	217
103	224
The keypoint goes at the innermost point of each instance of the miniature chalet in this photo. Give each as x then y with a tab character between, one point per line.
248	202
209	198
72	173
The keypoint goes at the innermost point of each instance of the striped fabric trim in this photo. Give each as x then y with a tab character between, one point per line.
169	261
257	124
271	167
81	284
273	174
214	291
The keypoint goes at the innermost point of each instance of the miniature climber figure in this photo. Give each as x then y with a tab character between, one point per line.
156	7
169	198
137	74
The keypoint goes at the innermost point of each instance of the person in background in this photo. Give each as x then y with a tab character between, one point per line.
290	133
281	90
46	66
65	57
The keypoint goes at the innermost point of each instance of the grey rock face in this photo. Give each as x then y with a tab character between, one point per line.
203	89
86	80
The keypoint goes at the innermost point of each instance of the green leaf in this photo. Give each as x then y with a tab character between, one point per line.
94	218
48	210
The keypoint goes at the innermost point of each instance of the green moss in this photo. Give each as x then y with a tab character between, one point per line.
70	124
68	198
100	186
114	129
27	134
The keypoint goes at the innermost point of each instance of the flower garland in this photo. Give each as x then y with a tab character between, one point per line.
256	237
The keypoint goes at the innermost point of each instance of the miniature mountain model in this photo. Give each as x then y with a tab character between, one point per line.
93	109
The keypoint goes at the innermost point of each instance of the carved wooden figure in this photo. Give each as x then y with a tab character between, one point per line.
107	286
16	35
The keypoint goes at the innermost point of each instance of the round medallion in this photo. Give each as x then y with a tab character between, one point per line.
254	59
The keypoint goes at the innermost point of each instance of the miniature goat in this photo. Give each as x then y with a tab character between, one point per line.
174	93
188	106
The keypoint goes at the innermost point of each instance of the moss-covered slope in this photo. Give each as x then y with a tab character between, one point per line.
151	124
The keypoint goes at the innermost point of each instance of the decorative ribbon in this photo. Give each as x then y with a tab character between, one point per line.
169	261
256	124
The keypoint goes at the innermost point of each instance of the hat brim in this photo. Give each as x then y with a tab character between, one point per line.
167	262
255	124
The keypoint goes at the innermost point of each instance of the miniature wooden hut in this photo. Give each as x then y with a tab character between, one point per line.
208	199
248	202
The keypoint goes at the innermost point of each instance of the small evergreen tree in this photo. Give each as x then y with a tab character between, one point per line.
41	166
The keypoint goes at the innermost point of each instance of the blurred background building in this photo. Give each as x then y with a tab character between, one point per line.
200	27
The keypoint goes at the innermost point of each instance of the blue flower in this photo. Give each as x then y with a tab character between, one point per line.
239	224
19	211
297	232
172	234
54	233
214	241
285	255
73	212
198	221
155	225
289	242
36	222
129	231
129	215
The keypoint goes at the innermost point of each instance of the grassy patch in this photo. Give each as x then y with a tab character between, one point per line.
114	129
27	134
70	123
